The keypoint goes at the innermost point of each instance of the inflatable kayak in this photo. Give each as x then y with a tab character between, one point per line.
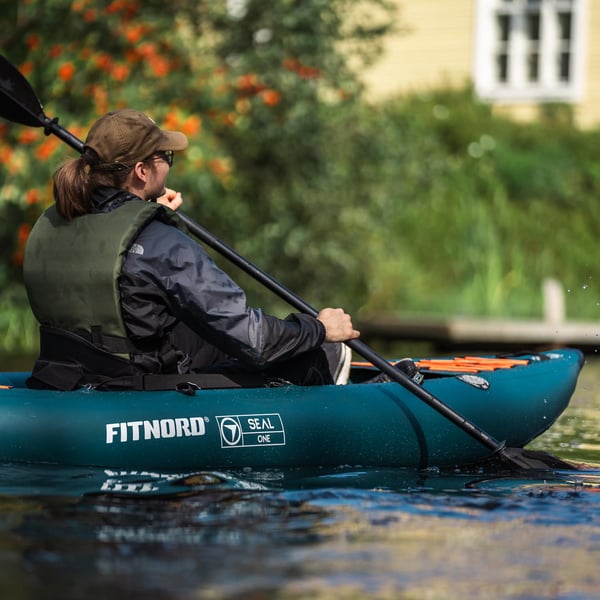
359	424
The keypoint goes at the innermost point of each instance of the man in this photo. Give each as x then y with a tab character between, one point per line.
124	297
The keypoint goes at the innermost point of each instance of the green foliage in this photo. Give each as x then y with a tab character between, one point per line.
479	209
17	324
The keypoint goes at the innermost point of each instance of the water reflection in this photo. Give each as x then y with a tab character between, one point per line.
444	532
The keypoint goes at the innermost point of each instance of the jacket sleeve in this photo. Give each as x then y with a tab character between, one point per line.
172	278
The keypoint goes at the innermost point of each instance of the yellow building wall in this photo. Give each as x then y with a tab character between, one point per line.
588	112
435	47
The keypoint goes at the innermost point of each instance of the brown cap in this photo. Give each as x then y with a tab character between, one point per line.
127	136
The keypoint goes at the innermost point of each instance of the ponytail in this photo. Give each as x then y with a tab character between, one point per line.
76	179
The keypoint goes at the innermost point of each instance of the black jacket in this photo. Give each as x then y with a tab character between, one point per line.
170	284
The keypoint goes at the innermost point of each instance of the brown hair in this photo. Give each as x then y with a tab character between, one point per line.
76	180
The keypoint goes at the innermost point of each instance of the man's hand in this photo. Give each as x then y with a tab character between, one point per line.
170	198
338	325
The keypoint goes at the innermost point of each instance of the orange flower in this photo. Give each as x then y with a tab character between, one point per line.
219	166
230	119
104	62
131	9
23	232
291	64
131	55
192	125
90	15
101	100
135	34
33	41
246	82
47	148
171	121
115	6
159	65
78	5
147	50
31	197
28	136
66	71
5	155
27	68
249	84
120	72
271	97
309	72
18	257
55	51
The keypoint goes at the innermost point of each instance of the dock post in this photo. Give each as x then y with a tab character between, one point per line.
554	301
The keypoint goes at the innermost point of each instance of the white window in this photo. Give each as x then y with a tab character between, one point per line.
530	50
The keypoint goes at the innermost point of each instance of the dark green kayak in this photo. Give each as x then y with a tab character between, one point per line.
357	424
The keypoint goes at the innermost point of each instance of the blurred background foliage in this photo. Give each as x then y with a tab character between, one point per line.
428	203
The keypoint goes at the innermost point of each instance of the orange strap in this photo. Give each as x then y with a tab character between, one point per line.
462	364
470	364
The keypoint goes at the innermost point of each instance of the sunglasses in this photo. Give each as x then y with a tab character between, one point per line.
167	155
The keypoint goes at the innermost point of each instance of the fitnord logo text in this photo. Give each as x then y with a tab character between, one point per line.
134	431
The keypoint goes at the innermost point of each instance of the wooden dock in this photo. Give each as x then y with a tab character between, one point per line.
501	334
450	333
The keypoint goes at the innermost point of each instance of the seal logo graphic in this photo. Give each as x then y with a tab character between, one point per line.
231	432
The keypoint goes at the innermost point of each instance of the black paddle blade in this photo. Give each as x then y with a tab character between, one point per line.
534	459
18	102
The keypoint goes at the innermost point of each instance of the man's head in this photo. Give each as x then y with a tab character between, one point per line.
125	137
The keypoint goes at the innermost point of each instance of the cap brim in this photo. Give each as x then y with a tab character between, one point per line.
173	140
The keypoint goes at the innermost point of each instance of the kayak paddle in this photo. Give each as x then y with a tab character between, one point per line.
20	104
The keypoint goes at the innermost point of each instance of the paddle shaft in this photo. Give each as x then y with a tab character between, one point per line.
24	107
52	126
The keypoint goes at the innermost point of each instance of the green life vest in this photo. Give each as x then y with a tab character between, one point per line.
71	272
71	269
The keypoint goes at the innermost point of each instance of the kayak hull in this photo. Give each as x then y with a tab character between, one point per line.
329	426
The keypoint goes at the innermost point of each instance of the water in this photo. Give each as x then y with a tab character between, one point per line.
375	534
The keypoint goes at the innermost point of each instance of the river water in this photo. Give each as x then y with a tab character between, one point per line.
376	534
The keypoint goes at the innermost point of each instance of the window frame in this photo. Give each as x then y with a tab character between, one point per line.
519	87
